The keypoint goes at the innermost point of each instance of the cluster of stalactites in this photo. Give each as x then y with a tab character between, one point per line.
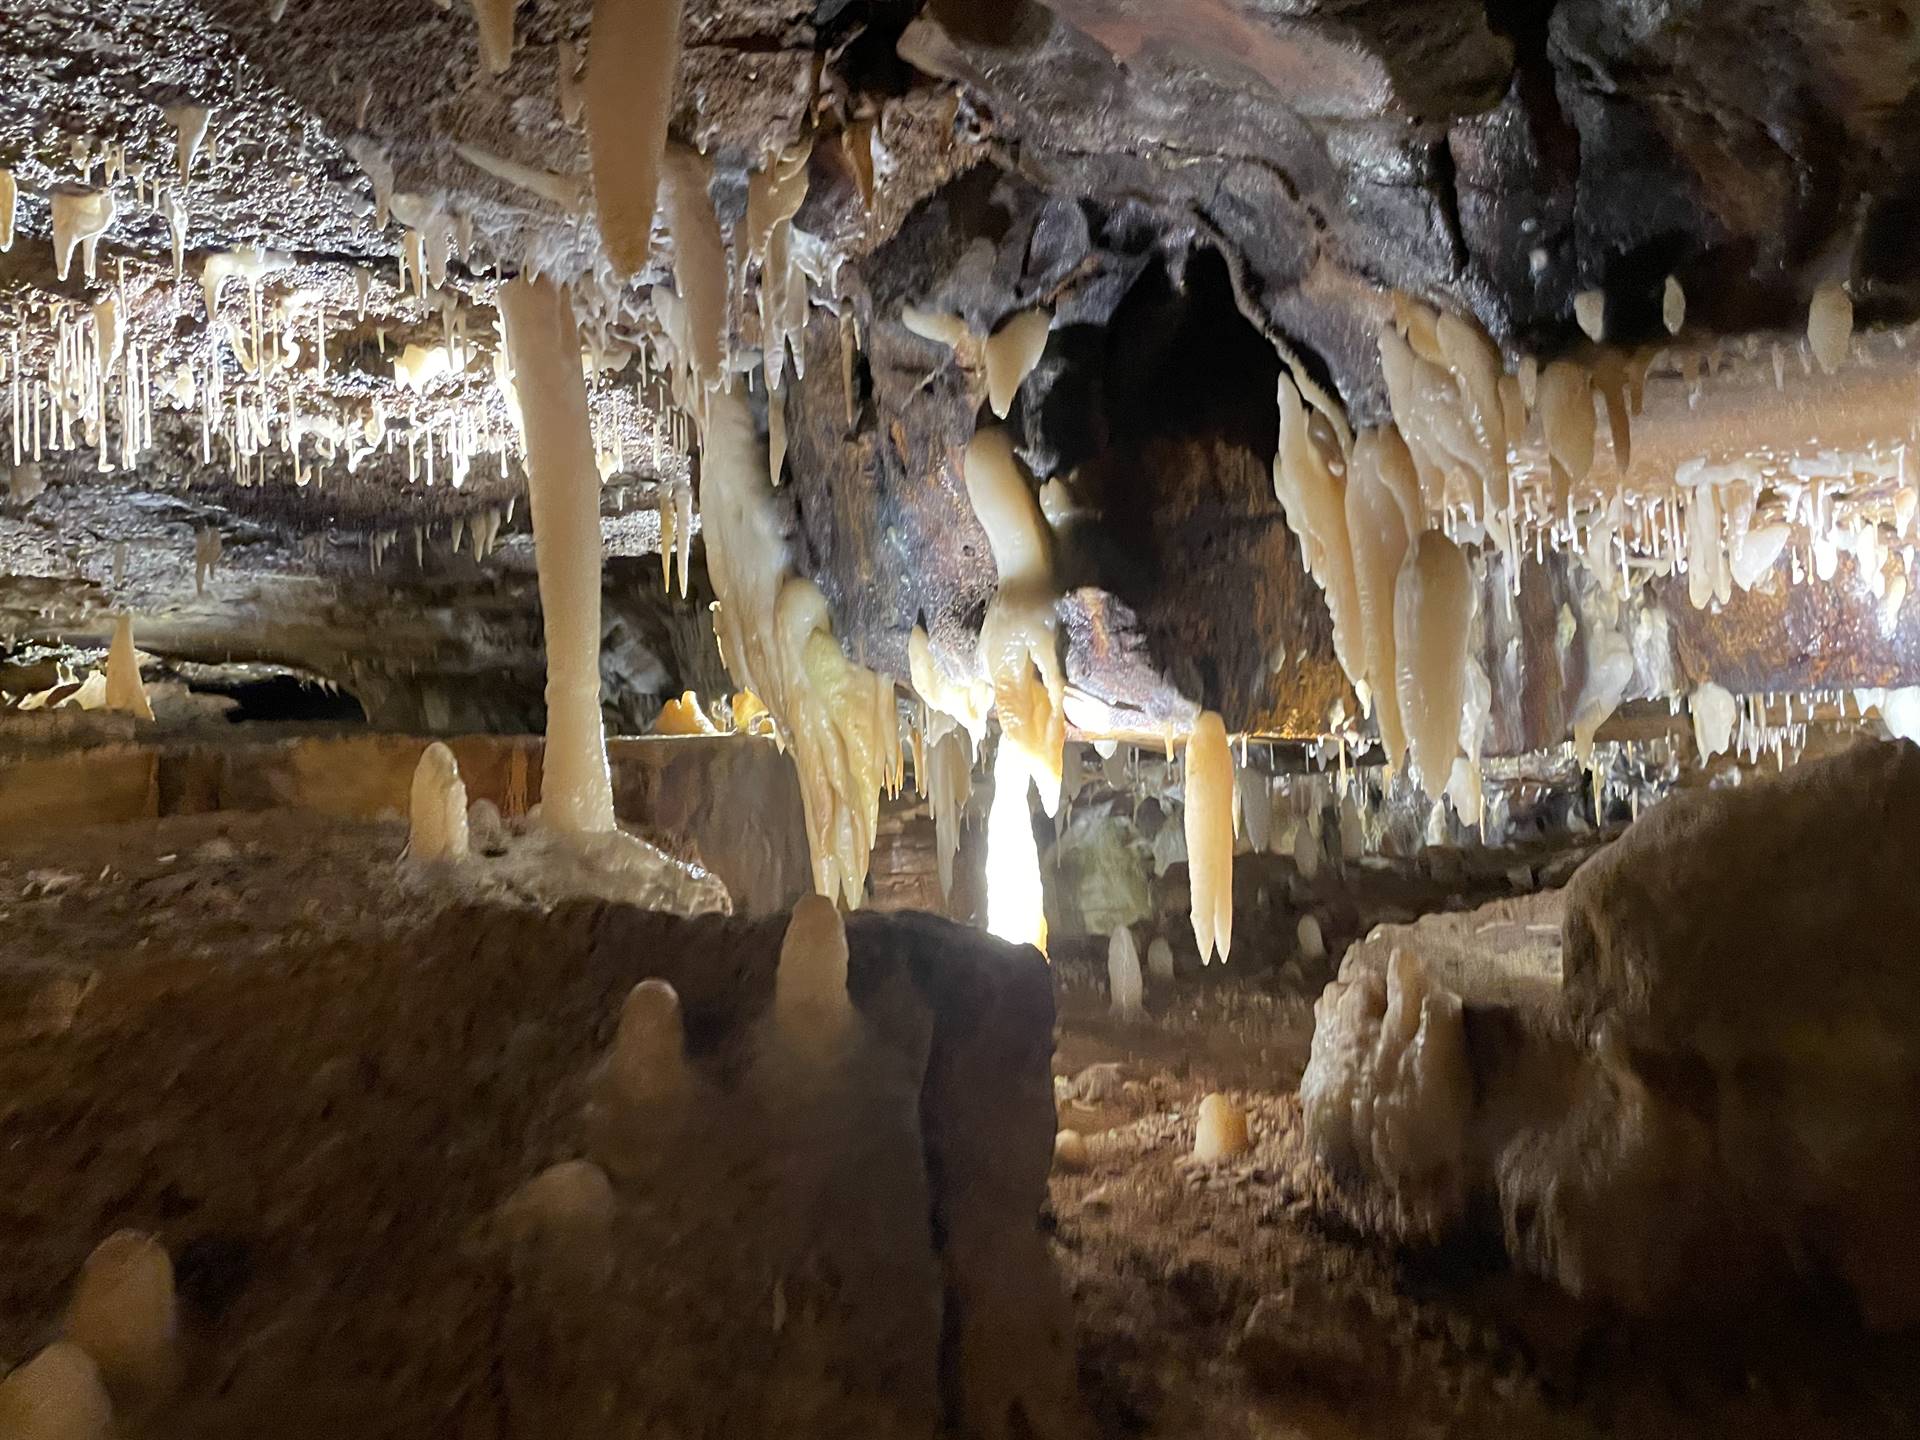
1725	521
838	718
1399	591
1381	519
1020	635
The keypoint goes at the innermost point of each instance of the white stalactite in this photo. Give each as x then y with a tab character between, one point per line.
1209	834
1019	638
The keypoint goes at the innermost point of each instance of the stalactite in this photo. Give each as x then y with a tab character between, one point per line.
1019	638
1209	835
633	59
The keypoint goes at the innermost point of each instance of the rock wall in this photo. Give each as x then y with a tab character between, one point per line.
733	803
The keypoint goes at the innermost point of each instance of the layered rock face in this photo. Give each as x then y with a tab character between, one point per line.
1704	1093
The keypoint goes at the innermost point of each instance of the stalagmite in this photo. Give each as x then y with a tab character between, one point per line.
1432	617
57	1395
1590	309
79	218
1016	903
544	347
1209	834
1070	1155
484	825
1714	713
810	1002
190	128
569	1200
1383	515
1160	960
648	1063
684	716
633	57
1019	638
1306	934
1388	1086
699	259
123	1315
495	21
9	199
1673	307
207	547
1011	352
1124	985
437	807
1830	326
1220	1131
125	693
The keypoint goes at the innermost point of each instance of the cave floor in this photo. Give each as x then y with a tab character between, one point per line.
1232	1300
255	950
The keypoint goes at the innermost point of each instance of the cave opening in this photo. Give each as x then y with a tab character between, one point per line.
284	699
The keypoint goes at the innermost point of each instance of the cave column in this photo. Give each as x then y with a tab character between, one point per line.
564	481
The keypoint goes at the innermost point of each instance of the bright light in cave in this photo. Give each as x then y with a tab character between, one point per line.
1016	907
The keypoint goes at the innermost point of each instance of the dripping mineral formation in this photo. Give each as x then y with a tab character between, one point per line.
1038	719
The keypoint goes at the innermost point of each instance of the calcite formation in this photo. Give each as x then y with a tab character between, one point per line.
565	484
1663	1106
123	1315
437	824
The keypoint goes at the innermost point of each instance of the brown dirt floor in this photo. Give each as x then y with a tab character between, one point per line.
1166	1262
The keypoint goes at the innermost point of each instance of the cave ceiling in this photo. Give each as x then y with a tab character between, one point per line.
1210	199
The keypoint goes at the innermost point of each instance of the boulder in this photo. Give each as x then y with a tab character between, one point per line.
1706	1097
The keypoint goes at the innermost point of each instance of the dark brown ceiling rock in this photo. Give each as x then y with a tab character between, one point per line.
1493	158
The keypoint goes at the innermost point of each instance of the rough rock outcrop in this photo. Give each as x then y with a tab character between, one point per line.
777	1232
1708	1095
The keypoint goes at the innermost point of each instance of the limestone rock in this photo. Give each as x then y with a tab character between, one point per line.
1708	1095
